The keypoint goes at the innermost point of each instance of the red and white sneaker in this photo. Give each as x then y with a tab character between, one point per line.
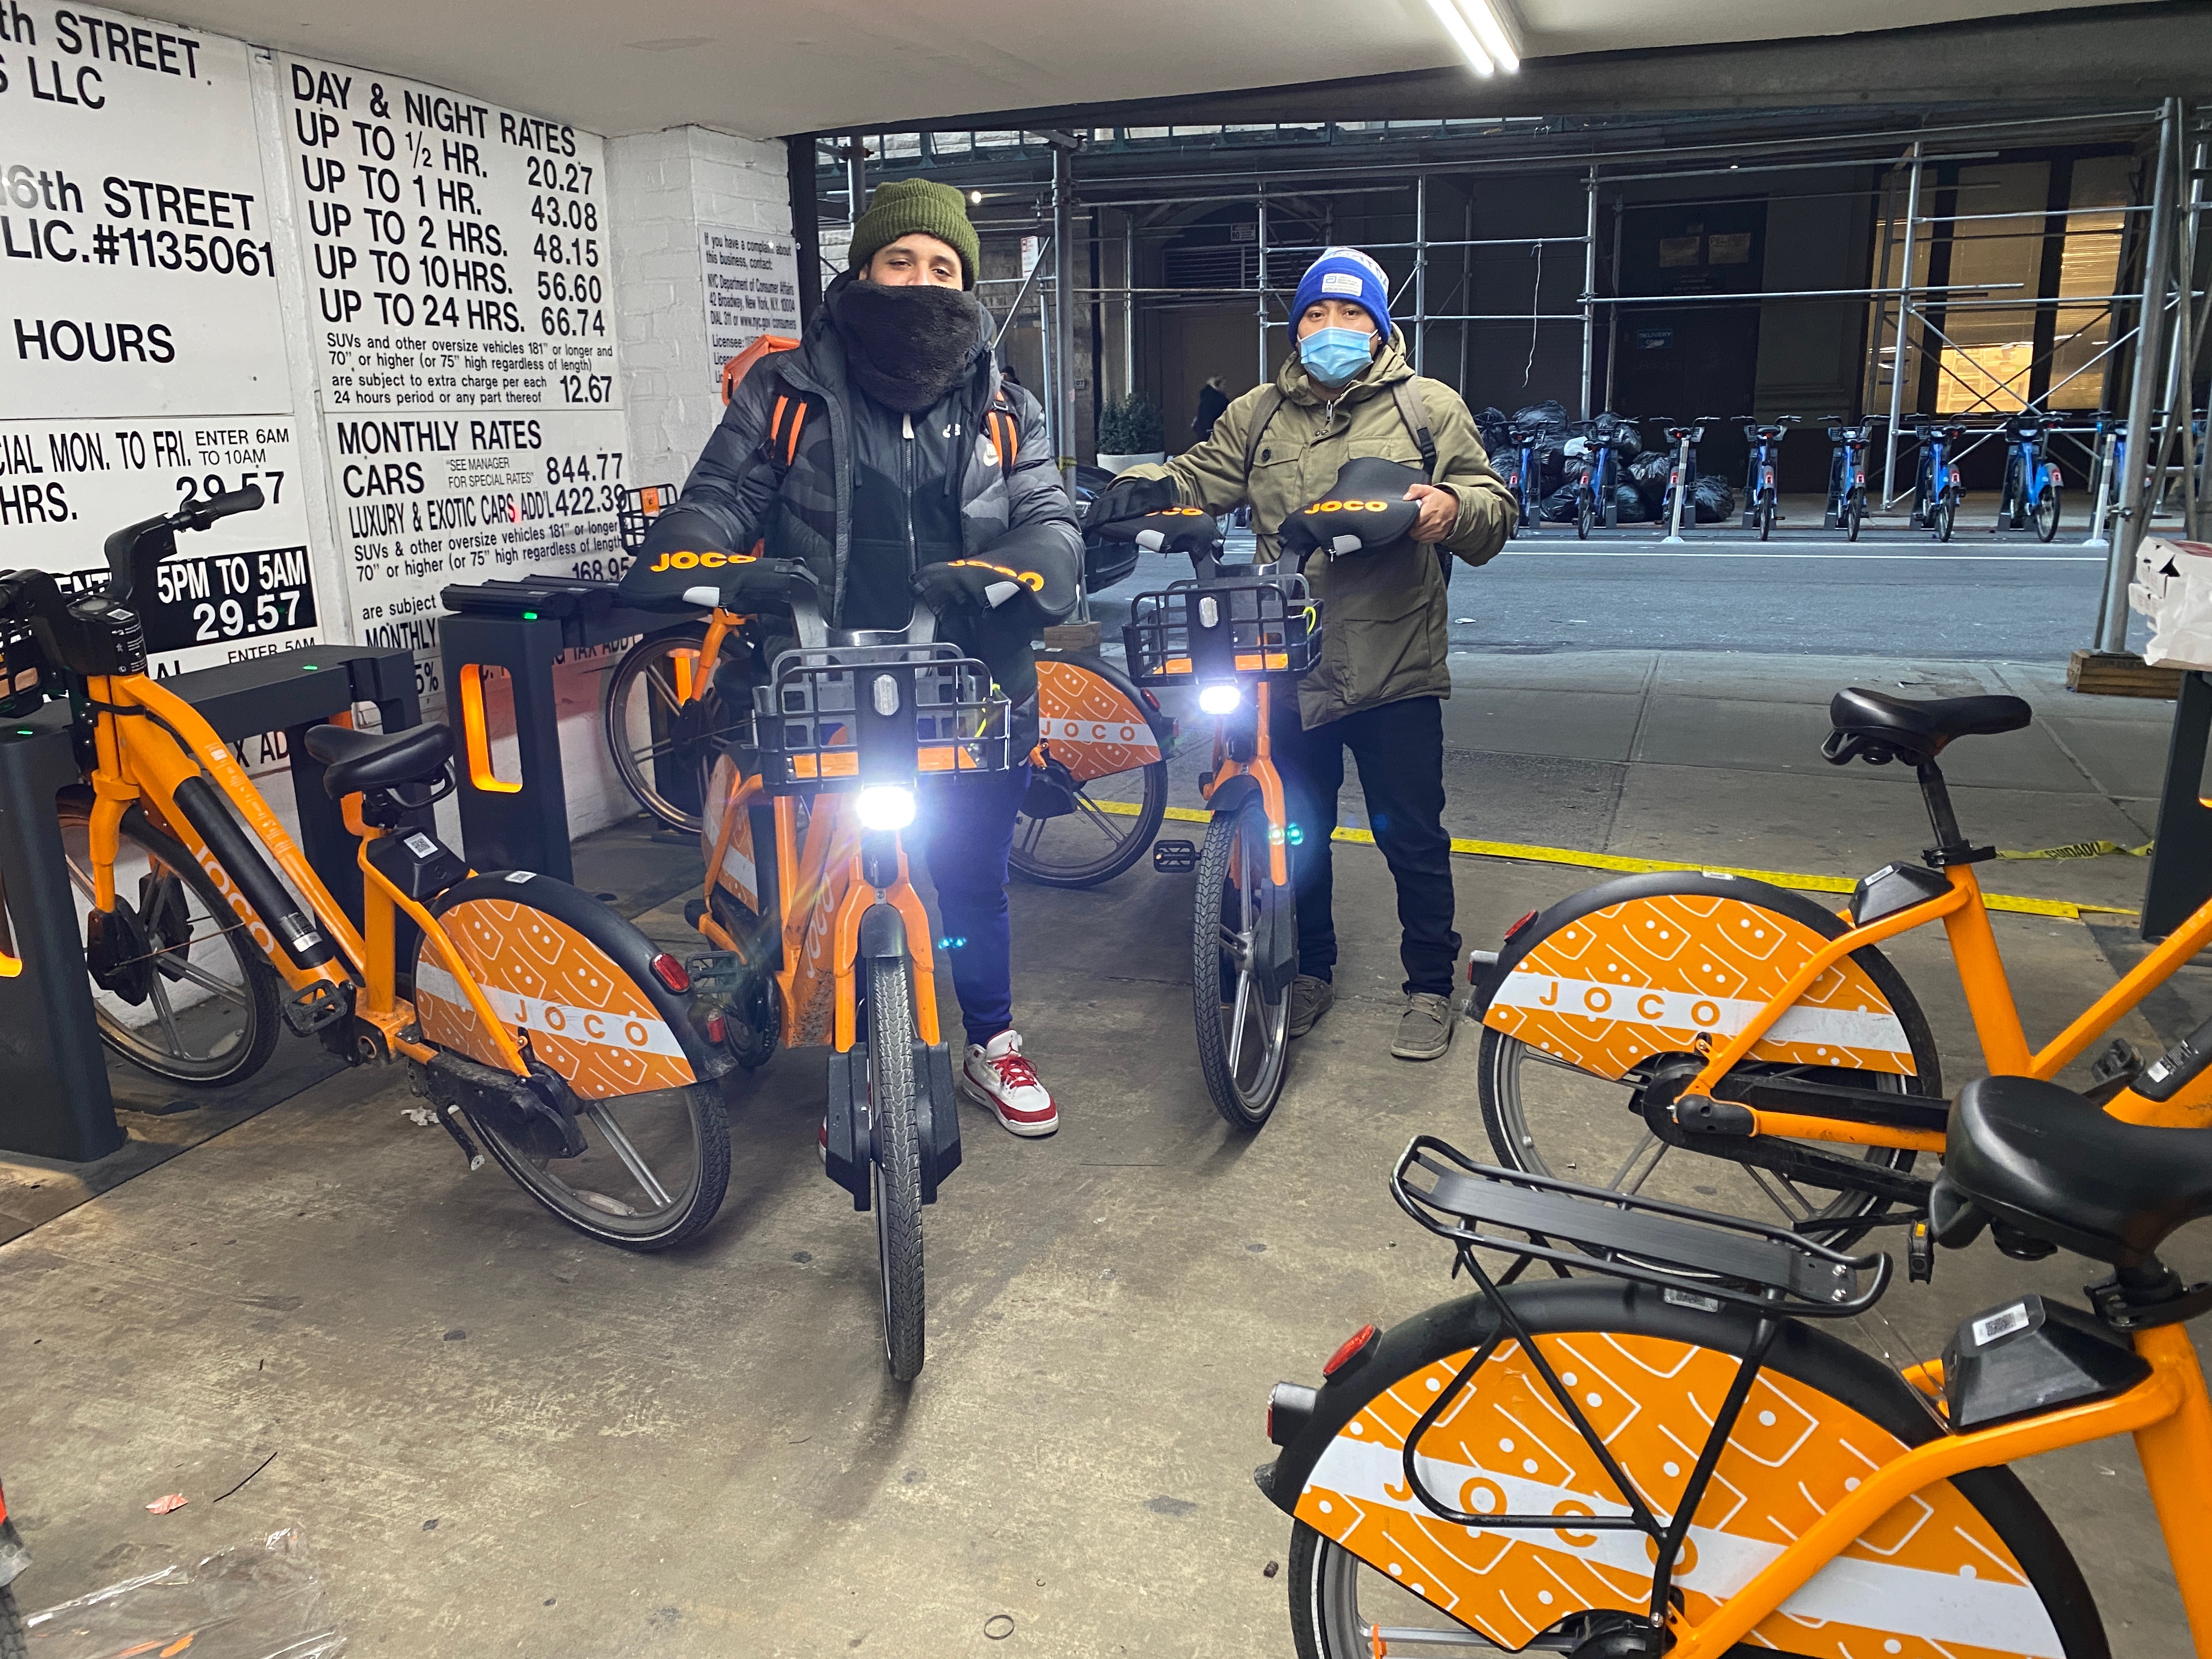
996	1074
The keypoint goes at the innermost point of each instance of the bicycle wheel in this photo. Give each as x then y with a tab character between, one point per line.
1766	518
1945	516
2046	513
188	995
897	1175
1078	825
1585	515
655	1162
1819	1416
1854	516
1547	1117
1244	1042
663	741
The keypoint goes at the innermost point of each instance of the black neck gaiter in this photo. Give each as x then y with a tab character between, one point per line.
906	346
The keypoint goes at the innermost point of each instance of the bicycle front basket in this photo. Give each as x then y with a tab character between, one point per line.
809	723
638	508
1262	625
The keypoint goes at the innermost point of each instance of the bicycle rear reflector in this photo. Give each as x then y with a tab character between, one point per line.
670	972
1355	1347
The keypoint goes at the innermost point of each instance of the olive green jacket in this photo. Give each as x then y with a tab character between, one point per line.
1384	614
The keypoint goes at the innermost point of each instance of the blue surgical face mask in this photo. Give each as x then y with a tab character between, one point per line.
1336	355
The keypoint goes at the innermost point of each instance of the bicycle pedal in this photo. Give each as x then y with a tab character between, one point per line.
319	1006
717	973
1175	857
1920	1254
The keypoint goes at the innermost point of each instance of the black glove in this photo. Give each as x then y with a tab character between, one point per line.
966	585
1129	498
1365	509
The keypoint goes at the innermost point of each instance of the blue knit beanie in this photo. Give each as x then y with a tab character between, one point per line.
1345	273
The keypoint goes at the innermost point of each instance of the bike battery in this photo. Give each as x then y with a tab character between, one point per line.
2033	1356
417	864
1892	888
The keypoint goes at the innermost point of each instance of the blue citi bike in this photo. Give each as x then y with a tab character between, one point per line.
2031	481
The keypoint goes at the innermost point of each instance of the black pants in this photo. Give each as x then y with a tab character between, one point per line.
1399	748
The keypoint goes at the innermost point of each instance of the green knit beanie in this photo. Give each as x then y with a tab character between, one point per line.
905	205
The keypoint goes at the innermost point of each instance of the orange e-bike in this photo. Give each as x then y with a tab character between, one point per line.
1663	1452
529	1013
1241	636
806	896
1722	1015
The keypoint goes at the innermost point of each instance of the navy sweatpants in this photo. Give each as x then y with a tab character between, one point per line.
965	829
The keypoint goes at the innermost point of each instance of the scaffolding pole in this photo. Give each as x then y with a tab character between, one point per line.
1889	491
1420	273
1260	281
1589	292
2142	385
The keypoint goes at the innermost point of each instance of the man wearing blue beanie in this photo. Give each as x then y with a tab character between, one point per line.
1348	389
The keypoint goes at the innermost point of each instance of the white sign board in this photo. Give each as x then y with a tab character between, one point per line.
457	261
143	341
752	288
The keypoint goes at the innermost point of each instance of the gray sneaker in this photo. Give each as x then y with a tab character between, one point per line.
1424	1030
1311	999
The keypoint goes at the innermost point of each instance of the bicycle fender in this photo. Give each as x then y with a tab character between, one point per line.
938	1116
1970	1564
1095	721
1231	795
576	979
883	933
1660	963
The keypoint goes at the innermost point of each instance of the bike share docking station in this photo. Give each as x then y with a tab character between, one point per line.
520	628
58	1104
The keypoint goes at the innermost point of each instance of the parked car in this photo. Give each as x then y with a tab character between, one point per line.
1104	563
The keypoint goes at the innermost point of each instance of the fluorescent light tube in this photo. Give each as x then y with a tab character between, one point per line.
1489	30
1456	25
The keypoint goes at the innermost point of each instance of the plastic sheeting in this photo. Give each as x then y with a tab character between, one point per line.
260	1601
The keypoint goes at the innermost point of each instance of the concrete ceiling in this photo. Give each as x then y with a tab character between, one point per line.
769	66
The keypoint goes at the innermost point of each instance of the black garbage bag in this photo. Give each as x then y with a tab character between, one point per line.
1713	499
1559	506
1550	415
1647	477
1491	426
1629	506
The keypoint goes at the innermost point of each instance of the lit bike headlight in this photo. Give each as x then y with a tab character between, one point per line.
886	806
1220	699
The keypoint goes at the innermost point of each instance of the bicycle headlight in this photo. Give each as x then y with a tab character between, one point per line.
886	806
1220	699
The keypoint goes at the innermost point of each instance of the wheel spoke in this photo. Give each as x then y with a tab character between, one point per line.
1238	1014
636	1165
1656	1148
209	982
160	996
1035	831
665	687
1787	1198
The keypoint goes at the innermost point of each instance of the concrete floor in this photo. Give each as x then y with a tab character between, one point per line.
499	1438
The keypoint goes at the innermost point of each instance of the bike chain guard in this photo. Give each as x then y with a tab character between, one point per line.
537	1115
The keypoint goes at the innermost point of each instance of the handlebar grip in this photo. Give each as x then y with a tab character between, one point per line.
200	514
998	593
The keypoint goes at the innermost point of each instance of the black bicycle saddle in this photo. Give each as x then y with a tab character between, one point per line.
1364	510
356	760
2045	1161
1875	726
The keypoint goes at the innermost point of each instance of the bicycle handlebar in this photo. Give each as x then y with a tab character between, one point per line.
134	550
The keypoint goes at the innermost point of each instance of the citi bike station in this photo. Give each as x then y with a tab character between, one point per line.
498	1148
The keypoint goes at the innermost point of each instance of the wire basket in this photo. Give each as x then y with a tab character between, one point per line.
823	709
638	508
1265	625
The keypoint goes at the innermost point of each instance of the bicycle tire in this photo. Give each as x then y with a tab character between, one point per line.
1815	1395
674	730
1236	850
1947	515
1854	516
683	1125
898	1172
1585	515
1123	835
1766	518
14	1635
761	1019
232	1057
2046	517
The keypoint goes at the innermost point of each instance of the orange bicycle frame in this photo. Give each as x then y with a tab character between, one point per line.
148	742
1260	769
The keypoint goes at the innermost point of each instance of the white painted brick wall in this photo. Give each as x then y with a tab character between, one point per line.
661	187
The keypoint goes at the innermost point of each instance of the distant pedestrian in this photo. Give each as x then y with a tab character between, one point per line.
1212	399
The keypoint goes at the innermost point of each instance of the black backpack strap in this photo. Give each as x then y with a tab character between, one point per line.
1263	412
1417	422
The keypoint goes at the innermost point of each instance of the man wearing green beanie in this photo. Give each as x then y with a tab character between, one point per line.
888	454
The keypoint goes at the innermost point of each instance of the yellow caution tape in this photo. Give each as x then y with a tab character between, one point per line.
2008	903
2084	849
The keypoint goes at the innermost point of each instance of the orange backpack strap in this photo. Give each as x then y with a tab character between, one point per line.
1006	435
798	420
